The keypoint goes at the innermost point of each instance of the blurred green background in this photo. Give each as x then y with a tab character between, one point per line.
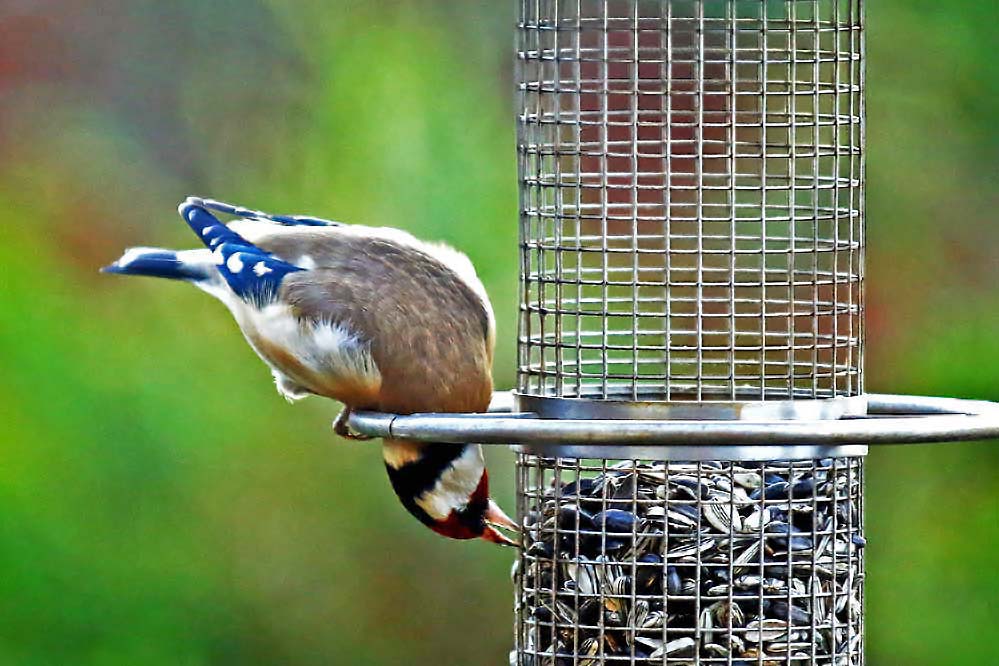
160	504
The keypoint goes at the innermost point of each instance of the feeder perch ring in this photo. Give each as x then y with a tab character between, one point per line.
889	419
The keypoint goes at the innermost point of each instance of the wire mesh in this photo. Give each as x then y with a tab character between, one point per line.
644	562
691	183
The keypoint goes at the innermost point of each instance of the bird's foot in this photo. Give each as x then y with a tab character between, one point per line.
341	428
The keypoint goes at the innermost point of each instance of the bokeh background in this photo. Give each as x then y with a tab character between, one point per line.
160	504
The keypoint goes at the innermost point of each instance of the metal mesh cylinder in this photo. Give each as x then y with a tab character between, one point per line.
691	182
639	562
692	236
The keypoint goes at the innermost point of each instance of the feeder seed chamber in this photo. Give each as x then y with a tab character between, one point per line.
690	418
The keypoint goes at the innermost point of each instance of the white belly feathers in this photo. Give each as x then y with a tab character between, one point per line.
328	352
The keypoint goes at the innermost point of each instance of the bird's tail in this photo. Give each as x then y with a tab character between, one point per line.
187	265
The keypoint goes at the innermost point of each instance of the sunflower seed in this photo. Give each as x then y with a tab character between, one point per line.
765	630
745	563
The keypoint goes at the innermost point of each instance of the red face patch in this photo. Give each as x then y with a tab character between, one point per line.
454	528
481	493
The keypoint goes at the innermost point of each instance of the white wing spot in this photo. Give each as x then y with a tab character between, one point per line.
234	263
204	232
262	269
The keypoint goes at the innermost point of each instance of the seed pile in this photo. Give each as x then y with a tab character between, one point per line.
642	563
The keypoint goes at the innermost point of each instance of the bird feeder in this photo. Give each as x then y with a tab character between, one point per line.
690	418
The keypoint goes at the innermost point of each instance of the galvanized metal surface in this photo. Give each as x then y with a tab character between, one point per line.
692	262
647	409
692	208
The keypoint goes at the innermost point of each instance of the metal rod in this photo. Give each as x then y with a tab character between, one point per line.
891	419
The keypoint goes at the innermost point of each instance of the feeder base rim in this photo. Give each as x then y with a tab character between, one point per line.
689	410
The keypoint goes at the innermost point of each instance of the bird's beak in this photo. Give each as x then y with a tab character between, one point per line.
494	535
495	517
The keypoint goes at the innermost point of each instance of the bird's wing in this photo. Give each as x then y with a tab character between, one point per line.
255	252
247	213
426	332
253	274
310	242
299	235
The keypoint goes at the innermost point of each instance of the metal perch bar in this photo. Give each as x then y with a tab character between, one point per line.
890	419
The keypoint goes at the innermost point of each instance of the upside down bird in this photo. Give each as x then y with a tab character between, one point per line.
369	316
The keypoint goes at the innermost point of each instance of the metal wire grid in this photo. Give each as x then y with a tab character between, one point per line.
691	183
638	562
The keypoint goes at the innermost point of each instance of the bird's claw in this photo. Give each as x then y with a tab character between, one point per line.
341	428
346	433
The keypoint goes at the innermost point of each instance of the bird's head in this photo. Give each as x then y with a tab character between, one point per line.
478	517
446	487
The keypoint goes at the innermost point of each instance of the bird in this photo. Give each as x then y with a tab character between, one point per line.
370	317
